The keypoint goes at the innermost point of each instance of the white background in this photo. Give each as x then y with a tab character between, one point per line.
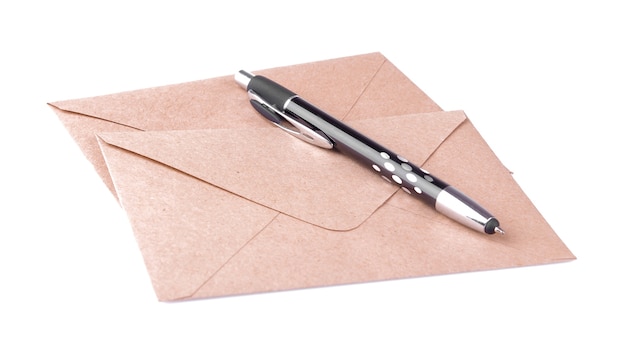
543	81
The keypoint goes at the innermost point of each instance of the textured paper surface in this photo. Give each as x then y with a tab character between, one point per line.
222	203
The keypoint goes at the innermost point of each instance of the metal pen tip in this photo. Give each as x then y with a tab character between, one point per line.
499	230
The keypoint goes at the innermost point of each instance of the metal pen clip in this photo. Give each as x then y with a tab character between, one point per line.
289	124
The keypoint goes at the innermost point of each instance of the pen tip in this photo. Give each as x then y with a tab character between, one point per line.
499	230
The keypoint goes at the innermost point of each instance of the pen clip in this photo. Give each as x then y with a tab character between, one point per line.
289	124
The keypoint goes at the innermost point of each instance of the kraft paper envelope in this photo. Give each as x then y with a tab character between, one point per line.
222	202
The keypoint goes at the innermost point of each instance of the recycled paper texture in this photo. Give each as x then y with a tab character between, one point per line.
222	202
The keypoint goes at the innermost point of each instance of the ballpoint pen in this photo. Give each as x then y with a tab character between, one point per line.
296	116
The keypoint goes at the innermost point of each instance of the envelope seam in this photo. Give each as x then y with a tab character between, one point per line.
94	117
106	140
233	256
369	83
101	144
432	152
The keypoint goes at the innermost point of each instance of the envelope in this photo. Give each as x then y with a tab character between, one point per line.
223	203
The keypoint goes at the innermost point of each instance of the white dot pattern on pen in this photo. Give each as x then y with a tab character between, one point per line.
389	166
408	172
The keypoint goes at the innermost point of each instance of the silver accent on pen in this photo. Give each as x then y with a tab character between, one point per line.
285	109
462	209
292	126
243	78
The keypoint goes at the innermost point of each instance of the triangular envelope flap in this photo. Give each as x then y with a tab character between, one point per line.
273	169
211	103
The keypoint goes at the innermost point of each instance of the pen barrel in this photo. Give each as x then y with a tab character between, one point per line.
395	169
390	166
384	162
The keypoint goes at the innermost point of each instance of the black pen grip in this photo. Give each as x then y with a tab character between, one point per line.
275	94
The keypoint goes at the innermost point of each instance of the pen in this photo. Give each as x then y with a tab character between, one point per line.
296	116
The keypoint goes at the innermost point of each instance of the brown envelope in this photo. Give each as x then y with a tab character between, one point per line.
221	202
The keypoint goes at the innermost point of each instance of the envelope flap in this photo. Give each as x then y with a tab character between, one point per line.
273	169
210	103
